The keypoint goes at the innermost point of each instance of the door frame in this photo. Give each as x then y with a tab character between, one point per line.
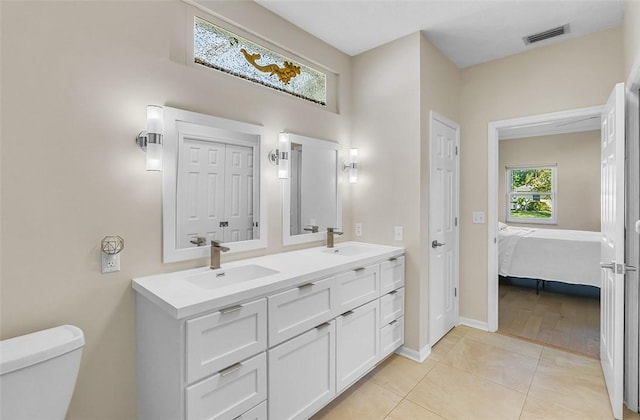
433	116
492	195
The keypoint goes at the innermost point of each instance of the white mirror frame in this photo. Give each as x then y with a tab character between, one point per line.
287	238
172	116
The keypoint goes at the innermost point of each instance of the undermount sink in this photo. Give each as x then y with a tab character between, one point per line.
348	250
227	276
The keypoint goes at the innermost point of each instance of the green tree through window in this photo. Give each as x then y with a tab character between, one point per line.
531	194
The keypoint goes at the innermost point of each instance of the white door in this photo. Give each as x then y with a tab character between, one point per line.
443	226
239	193
201	175
612	248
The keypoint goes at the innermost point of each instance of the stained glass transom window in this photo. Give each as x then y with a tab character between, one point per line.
220	49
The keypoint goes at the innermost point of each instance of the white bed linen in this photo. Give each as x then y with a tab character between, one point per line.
569	256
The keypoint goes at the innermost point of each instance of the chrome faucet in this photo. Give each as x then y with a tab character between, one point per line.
330	234
216	248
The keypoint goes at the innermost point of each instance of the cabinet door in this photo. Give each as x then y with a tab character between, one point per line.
358	287
391	306
296	310
302	374
391	337
220	339
391	274
230	392
358	341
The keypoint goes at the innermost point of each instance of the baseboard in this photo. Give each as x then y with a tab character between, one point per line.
473	323
417	356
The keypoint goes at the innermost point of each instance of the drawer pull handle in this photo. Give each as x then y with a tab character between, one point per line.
393	322
392	259
359	269
230	369
230	309
321	326
304	286
347	313
393	293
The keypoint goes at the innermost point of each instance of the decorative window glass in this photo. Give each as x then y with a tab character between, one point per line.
531	194
220	49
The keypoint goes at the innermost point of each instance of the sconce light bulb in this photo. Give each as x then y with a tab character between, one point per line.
154	157
284	148
155	122
353	155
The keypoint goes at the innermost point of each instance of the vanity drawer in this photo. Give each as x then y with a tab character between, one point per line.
391	337
391	306
220	339
258	412
230	392
391	274
299	309
358	287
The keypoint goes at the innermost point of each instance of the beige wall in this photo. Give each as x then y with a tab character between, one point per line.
390	126
631	29
578	175
573	74
386	129
76	79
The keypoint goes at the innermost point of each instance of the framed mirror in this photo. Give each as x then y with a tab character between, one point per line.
311	198
211	187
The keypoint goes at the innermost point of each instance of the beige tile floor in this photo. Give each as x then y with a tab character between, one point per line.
472	374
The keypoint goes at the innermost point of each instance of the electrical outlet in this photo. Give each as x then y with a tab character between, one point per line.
358	229
110	263
398	233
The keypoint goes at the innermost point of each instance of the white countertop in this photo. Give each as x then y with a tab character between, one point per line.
182	298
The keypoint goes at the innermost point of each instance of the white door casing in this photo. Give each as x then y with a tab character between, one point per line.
443	226
612	255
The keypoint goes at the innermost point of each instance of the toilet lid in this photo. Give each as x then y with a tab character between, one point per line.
26	350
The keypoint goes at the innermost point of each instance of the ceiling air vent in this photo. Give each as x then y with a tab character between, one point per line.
550	33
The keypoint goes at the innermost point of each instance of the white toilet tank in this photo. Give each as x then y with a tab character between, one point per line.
38	373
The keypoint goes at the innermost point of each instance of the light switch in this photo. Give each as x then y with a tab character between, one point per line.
398	233
478	217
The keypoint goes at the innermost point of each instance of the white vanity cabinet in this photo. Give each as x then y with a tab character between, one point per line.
358	343
276	353
302	373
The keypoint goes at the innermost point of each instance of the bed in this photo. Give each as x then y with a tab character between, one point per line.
568	256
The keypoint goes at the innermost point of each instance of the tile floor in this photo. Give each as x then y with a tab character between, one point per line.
473	374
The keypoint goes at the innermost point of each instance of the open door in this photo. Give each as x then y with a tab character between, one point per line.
612	248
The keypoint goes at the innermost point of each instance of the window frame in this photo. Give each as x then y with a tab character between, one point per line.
553	220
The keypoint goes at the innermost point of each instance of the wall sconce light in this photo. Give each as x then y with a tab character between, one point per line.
150	140
352	166
280	156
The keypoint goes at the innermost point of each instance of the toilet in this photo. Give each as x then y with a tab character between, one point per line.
38	373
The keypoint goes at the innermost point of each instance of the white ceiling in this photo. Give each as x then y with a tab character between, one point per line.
469	32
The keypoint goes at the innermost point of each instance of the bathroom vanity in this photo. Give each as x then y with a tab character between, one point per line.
273	337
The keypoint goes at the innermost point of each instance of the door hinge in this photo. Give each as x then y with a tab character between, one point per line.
455	292
455	221
456	150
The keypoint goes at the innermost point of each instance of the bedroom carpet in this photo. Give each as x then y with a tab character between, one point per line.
473	374
555	319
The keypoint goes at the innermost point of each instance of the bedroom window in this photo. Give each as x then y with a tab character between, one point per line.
531	194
